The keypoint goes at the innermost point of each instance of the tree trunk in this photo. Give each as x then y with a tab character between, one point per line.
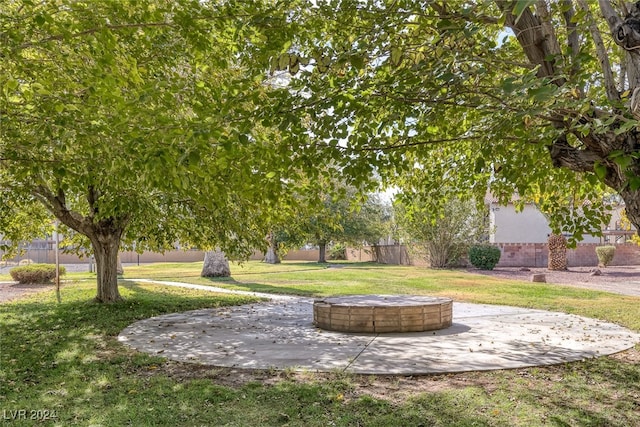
272	252
120	270
104	234
557	252
438	255
322	252
215	264
105	250
632	206
272	256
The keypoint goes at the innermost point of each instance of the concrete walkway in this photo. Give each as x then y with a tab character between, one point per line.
278	334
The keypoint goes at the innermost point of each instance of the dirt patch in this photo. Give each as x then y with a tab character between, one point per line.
573	275
393	388
13	291
619	279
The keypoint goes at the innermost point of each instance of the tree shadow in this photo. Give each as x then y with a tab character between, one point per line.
259	287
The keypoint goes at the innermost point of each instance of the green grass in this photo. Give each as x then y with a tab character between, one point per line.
66	358
317	280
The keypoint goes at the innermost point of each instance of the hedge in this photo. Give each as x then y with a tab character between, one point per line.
35	273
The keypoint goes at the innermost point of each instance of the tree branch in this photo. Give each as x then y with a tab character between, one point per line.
601	52
407	144
95	30
57	205
610	15
537	40
565	155
573	39
442	11
92	197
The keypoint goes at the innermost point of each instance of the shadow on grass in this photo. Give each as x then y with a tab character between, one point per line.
258	287
316	266
41	338
62	355
66	357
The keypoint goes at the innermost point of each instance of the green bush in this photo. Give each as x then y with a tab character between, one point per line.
35	273
484	257
605	254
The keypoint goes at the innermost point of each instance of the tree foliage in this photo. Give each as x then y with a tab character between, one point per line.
347	219
134	123
150	122
535	98
441	236
338	214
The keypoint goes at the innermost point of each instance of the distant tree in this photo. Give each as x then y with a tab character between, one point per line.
19	220
272	256
440	234
349	219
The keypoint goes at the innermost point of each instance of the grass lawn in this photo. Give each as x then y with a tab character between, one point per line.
64	360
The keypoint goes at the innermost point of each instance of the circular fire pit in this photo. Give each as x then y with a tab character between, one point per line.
383	313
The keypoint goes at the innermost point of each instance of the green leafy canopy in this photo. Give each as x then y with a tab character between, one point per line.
143	114
511	96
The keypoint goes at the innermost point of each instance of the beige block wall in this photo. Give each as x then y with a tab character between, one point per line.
513	255
129	257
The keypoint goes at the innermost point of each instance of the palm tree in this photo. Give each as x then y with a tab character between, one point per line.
557	252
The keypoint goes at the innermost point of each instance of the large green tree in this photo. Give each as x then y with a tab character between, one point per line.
541	98
134	124
345	218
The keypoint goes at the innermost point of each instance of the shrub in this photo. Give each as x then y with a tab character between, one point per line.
35	273
605	254
484	257
440	232
338	251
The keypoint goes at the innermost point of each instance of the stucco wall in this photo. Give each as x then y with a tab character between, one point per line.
527	226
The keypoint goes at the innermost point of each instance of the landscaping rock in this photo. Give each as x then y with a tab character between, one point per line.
540	278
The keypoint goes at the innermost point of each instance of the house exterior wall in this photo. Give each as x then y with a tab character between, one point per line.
527	226
507	225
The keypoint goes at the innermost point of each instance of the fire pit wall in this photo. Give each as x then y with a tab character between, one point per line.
383	314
